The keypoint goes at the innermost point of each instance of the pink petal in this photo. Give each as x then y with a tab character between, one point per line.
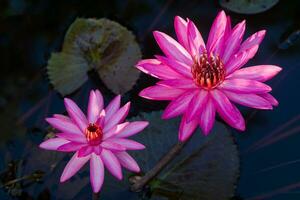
179	105
171	48
157	69
236	62
53	143
101	119
112	107
71	146
244	86
97	149
196	105
64	126
233	42
178	83
95	106
118	117
228	111
62	117
127	161
111	145
219	49
253	40
128	144
195	40
73	166
96	173
269	98
132	128
207	117
186	129
159	92
72	137
181	31
260	73
250	100
115	130
177	66
76	114
85	151
111	163
216	32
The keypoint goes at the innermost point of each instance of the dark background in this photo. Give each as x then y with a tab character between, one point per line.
30	30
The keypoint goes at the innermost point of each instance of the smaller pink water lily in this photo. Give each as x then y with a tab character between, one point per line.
202	79
100	138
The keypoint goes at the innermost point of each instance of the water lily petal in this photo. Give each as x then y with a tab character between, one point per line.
186	129
72	137
112	107
76	114
207	117
127	161
181	31
269	98
128	144
177	66
73	166
96	173
196	43
85	151
253	40
111	145
111	163
229	113
196	105
118	117
95	106
115	130
64	126
53	143
159	92
178	83
132	128
71	146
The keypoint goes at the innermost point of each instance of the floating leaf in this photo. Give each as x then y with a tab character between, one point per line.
99	44
248	6
205	165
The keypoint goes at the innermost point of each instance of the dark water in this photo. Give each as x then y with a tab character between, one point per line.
30	30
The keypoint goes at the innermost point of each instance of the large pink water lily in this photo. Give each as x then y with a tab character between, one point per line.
201	79
100	138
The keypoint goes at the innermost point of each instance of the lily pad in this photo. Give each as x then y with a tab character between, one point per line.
248	6
99	44
205	165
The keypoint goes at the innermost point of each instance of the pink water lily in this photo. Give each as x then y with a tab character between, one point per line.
100	138
202	79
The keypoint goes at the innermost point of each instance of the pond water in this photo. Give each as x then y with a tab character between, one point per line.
31	30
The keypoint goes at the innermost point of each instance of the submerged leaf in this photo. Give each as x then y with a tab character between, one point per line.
205	165
248	6
99	44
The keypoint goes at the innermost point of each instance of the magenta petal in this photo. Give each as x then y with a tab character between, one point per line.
250	100
115	130
207	117
111	145
73	166
216	32
53	143
196	105
96	173
127	161
181	31
195	40
177	66
178	83
112	107
128	144
118	117
85	151
76	114
233	41
132	128
253	40
244	86
236	61
72	137
95	106
179	105
269	98
171	48
260	73
111	163
228	111
186	129
159	92
71	146
62	117
64	126
157	69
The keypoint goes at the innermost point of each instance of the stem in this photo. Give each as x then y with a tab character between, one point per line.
96	196
162	163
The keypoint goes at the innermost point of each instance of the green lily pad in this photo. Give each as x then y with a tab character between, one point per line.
248	6
205	165
99	44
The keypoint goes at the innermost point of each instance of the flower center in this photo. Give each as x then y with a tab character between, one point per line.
208	72
93	134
